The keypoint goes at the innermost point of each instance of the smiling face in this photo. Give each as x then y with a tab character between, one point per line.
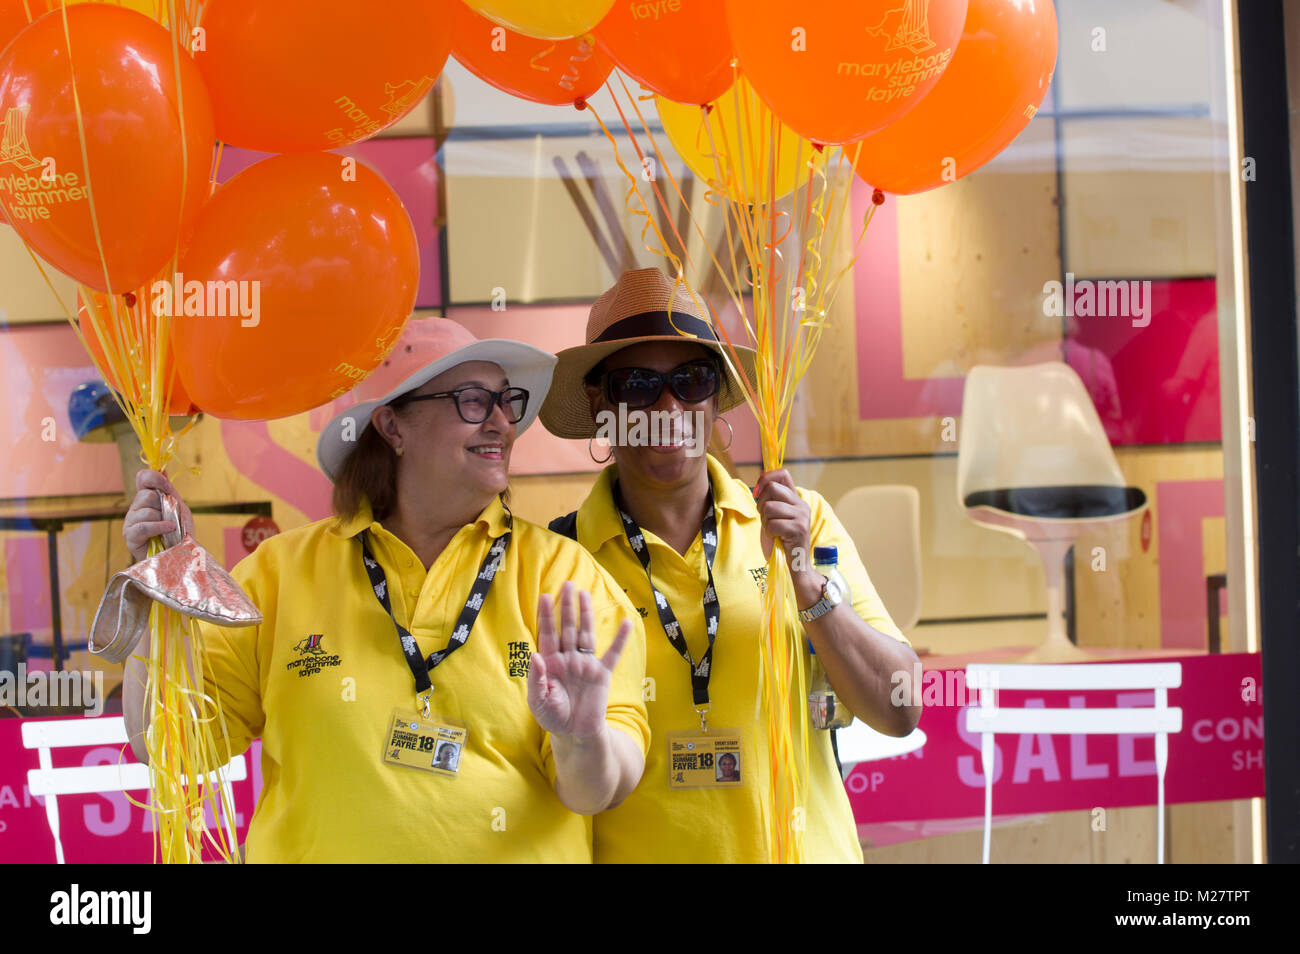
442	451
667	460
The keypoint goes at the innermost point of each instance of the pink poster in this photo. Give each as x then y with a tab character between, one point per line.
1218	755
103	828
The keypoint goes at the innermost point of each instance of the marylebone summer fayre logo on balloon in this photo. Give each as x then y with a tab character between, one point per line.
33	185
907	28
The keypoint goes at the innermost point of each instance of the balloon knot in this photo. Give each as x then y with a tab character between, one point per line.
819	146
878	197
580	104
129	298
708	108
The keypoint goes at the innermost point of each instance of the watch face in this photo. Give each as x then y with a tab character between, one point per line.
833	594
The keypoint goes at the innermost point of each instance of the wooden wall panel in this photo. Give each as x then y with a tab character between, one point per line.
972	286
1144	206
1200	833
1120	606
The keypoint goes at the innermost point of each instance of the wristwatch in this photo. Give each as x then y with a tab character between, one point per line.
831	598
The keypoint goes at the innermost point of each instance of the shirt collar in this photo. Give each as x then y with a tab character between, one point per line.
731	493
598	519
348	528
494	518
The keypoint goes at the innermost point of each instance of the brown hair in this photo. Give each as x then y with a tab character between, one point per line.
368	473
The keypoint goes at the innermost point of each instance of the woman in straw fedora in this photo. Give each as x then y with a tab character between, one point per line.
688	543
420	617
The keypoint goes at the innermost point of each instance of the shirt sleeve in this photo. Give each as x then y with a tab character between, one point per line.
232	676
828	531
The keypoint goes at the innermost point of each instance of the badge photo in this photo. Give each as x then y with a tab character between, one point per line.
711	759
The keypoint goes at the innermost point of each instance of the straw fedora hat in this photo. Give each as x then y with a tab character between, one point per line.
428	347
644	305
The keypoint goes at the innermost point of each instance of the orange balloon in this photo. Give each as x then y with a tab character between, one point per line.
299	278
13	18
180	403
998	77
679	49
148	179
297	75
554	72
838	70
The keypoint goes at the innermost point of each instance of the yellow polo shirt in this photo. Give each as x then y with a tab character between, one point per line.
319	679
656	824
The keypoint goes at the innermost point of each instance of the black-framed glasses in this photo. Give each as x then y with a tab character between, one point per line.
475	404
692	382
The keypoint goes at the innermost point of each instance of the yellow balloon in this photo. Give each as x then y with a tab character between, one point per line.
741	131
544	19
155	10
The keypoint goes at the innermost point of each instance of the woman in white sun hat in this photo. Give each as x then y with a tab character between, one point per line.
688	543
419	615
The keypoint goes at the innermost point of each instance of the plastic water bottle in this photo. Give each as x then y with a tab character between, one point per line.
824	707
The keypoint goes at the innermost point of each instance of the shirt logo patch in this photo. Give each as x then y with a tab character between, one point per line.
641	609
760	578
311	645
312	657
521	655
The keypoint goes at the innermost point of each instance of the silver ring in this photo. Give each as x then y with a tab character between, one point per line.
584	649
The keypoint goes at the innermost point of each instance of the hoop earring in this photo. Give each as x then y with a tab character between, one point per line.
593	456
731	434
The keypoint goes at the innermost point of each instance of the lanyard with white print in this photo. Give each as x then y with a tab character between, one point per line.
420	667
700	671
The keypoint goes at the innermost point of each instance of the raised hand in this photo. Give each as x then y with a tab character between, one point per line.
568	685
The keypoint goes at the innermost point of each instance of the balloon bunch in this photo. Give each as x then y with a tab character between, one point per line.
771	102
192	297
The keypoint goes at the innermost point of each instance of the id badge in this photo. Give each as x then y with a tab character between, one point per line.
433	745
709	759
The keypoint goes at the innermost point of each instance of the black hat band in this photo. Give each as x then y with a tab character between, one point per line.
649	324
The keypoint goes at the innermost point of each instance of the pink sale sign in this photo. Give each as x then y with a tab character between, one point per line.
1219	754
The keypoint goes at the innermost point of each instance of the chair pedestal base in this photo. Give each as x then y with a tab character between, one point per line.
1052	539
1052	651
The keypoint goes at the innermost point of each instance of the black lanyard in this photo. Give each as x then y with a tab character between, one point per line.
464	624
712	612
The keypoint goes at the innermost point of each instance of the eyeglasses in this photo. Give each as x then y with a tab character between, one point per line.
692	382
474	405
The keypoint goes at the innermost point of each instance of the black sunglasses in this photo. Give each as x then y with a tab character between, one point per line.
692	382
475	404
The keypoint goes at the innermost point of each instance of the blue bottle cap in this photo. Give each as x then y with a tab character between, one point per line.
826	554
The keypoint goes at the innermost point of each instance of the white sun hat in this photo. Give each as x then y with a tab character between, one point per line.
427	348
